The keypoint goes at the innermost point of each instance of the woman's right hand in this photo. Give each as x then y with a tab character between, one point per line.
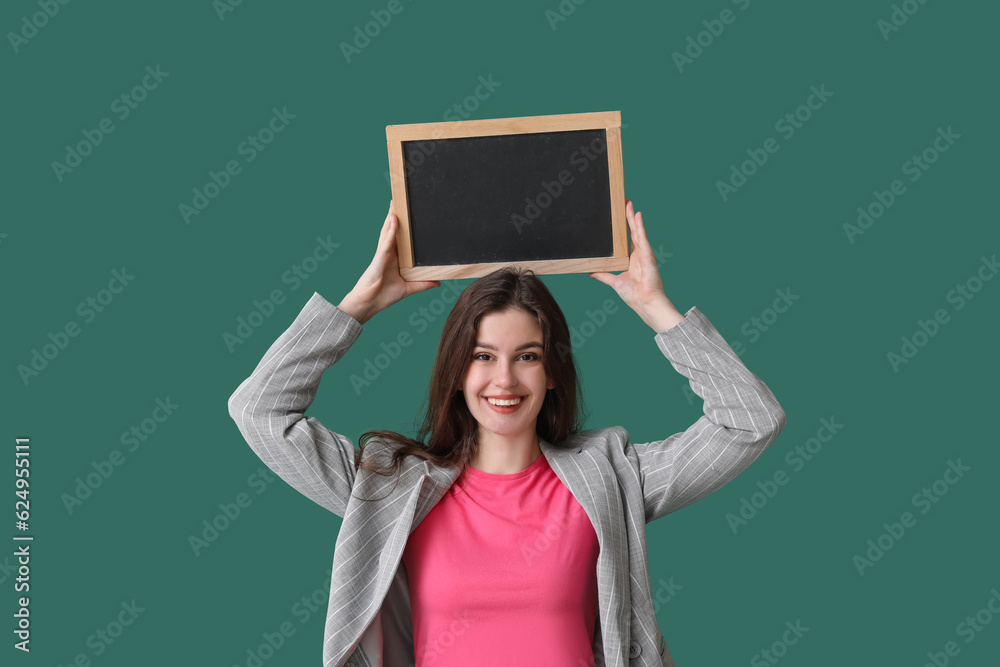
380	285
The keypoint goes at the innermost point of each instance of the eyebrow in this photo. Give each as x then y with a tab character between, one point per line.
520	347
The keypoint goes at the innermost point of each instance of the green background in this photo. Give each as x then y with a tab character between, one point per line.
324	176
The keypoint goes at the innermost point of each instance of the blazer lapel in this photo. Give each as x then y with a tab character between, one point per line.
388	523
595	487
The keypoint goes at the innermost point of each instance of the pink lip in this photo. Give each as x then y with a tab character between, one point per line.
504	409
505	397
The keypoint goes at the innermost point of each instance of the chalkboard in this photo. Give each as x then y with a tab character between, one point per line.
544	192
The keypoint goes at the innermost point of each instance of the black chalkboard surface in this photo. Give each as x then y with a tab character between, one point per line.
545	192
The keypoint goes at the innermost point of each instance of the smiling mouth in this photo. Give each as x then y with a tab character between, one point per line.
505	402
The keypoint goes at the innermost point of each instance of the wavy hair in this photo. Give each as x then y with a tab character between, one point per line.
449	435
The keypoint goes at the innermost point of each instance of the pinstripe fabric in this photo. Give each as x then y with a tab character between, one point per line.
620	484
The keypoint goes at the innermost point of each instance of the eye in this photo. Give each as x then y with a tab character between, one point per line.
483	356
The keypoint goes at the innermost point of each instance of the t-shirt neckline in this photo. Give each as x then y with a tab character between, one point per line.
504	477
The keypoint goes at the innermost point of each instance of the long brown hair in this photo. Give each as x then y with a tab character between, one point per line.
450	431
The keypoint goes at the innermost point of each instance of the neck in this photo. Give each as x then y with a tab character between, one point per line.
505	456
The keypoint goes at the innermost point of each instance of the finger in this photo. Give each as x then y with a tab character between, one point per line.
386	238
641	228
630	215
645	248
421	285
638	233
603	277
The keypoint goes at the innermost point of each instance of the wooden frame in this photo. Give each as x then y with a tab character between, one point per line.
609	121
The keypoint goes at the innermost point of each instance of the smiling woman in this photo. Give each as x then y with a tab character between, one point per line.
503	533
505	392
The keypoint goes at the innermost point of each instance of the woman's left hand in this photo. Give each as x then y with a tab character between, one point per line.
641	286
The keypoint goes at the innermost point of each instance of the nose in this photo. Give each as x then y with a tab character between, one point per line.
504	376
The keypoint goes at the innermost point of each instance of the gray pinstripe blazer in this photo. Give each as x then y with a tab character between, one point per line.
621	485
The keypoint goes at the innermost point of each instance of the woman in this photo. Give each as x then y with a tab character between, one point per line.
503	535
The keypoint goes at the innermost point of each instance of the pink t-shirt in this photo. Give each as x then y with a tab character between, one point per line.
503	571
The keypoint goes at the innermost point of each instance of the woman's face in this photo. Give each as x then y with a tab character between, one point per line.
506	364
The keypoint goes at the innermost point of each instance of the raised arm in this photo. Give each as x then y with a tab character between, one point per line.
269	406
742	417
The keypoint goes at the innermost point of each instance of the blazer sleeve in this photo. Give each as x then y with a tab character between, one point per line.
742	418
269	406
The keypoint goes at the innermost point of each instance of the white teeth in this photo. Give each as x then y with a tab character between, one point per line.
496	401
